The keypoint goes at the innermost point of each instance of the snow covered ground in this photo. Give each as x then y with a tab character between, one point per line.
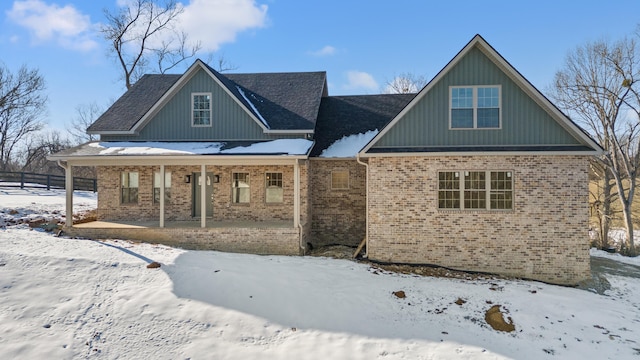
66	298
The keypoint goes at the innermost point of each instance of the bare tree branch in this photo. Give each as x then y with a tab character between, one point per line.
22	103
133	30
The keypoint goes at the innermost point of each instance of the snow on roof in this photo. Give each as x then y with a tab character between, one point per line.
253	107
280	146
349	146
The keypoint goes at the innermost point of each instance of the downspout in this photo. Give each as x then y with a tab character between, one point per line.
296	204
366	210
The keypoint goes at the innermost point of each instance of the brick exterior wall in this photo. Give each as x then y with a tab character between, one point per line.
544	237
180	206
252	239
338	216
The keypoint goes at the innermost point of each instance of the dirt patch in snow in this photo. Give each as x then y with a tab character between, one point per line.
346	252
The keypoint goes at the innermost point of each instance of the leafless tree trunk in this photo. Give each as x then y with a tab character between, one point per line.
136	34
597	85
22	103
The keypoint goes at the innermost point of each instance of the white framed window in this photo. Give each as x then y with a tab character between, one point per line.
200	109
156	187
240	188
273	187
339	179
129	187
475	107
471	190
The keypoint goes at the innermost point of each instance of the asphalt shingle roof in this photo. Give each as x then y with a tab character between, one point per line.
131	106
286	101
348	115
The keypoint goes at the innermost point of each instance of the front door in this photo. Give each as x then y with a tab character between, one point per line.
196	195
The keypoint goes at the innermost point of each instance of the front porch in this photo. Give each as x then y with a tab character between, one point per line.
267	237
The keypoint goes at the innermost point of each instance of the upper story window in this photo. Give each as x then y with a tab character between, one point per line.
475	107
201	109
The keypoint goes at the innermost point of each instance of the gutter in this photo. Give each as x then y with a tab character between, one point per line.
366	210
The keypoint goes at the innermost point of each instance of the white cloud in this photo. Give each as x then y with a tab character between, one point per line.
63	24
360	80
325	51
215	22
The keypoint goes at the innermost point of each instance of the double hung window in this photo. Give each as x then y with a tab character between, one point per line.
240	189
129	187
201	109
157	183
273	184
475	107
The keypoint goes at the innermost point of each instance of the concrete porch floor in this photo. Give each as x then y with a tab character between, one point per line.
211	224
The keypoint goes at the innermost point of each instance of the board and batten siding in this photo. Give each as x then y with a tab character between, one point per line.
523	122
173	122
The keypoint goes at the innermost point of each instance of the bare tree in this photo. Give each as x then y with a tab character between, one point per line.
599	85
405	83
22	103
135	33
38	147
86	114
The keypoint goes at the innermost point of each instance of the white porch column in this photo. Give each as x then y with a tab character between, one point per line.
162	186
68	185
296	194
203	196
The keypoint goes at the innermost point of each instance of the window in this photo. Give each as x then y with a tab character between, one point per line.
156	186
240	189
489	190
274	192
129	188
201	109
475	107
339	179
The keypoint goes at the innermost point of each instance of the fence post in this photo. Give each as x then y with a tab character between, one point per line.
22	180
95	185
48	182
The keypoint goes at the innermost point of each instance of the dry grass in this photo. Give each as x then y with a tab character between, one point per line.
617	221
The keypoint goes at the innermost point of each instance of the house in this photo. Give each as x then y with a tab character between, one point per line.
478	171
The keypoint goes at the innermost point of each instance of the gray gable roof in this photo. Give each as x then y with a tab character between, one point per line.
131	106
341	116
285	101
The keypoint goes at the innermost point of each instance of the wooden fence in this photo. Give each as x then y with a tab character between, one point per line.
44	181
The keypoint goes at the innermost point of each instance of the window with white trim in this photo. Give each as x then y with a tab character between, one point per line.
475	107
157	177
273	187
472	190
340	180
240	189
129	187
201	109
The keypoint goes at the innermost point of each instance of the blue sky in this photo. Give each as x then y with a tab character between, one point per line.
361	44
